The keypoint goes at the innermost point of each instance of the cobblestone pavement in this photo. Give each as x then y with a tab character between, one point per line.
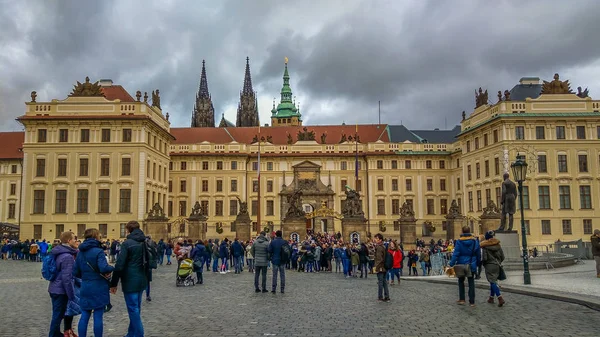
313	305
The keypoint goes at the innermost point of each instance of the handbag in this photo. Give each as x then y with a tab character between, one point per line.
107	277
198	265
464	270
502	274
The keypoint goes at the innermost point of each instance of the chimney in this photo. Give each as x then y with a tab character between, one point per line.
106	82
529	80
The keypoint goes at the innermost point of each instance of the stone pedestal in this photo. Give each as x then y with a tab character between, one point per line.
408	233
196	230
509	241
454	227
294	225
489	225
243	227
356	225
490	218
157	229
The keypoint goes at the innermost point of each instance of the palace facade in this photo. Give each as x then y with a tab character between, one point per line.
101	157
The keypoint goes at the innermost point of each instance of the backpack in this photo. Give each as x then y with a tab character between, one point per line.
388	262
49	269
150	256
33	249
285	254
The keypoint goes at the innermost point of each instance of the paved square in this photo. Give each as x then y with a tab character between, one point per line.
313	305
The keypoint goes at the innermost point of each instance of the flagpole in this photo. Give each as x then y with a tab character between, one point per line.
258	174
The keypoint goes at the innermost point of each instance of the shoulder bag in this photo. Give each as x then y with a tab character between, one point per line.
464	270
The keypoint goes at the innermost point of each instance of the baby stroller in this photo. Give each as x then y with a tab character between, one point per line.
184	273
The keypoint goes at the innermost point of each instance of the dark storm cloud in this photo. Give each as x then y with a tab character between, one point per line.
422	60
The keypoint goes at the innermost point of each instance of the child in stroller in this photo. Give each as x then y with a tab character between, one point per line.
184	273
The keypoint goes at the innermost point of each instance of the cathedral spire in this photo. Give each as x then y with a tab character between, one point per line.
248	79
247	114
203	114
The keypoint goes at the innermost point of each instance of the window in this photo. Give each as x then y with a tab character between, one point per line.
205	165
395	164
394	184
171	166
60	205
58	230
429	184
204	185
442	164
485	140
580	132
219	185
13	169
233	207
343	165
103	201
583	164
587	226
442	184
495	133
479	203
546	227
540	132
428	164
254	207
585	196
380	184
254	185
269	185
468	146
254	166
496	166
233	185
395	206
564	194
82	201
542	165
85	135
62	167
380	206
126	135
409	184
170	186
560	132
41	136
598	132
125	166
104	167
457	162
498	195
566	227
183	186
219	208
269	166
183	165
477	170
13	189
39	198
476	143
234	165
182	207
81	227
359	185
430	206
270	207
380	164
519	132
544	196
103	229
63	135
488	196
105	135
458	183
469	177
343	184
443	206
470	201
562	163
525	197
407	164
220	165
125	201
40	169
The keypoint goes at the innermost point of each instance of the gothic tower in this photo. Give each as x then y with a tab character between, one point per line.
247	114
204	111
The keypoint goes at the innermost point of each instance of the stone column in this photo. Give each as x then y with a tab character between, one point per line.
197	227
155	223
294	224
454	222
408	232
354	224
243	227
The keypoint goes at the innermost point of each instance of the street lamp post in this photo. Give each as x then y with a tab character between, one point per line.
519	168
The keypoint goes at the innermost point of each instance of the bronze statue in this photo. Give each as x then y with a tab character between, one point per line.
156	98
481	98
87	89
306	135
167	116
556	86
243	206
508	203
33	96
290	141
323	137
352	206
138	95
344	138
499	96
464	115
255	139
506	95
270	139
580	94
145	97
454	211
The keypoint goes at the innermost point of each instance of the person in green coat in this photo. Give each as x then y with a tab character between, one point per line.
133	274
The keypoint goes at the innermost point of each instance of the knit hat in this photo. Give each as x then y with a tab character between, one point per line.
489	235
597	232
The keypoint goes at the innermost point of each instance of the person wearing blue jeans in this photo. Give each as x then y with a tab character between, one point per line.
279	261
59	307
133	301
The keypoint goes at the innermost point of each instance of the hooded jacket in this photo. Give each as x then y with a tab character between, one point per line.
63	284
275	250
130	269
223	250
466	251
595	245
260	251
491	258
237	248
94	293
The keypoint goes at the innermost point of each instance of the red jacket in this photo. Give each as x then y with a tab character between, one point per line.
397	254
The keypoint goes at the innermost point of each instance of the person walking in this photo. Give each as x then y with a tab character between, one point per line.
491	259
94	271
224	256
198	254
397	265
250	258
133	274
61	289
160	249
260	251
208	255
382	286
215	256
237	252
466	255
596	250
278	260
168	252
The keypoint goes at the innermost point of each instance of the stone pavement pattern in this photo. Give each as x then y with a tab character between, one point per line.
313	305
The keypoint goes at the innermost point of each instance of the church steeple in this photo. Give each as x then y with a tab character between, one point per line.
203	114
247	114
286	113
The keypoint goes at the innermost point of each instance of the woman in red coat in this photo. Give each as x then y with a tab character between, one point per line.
397	267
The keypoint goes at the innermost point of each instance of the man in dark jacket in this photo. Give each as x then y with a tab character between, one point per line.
61	289
224	256
466	252
260	251
160	249
382	288
237	251
133	273
596	250
278	266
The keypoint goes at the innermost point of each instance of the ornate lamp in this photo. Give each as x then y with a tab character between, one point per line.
519	168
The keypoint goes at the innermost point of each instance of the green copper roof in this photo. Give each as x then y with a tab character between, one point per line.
286	107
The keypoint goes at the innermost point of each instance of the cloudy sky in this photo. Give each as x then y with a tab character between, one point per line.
421	59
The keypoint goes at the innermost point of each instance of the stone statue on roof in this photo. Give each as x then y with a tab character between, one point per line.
580	94
506	95
481	98
323	138
87	89
156	98
306	135
556	86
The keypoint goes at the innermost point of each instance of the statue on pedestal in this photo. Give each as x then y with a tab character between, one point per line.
407	212
508	203
295	205
156	213
197	211
352	206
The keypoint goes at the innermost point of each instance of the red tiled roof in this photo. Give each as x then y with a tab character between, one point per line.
11	143
279	134
117	92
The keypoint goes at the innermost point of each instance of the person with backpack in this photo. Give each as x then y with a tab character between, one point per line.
237	250
152	254
380	261
58	269
160	249
169	252
215	256
92	267
208	258
260	251
198	254
33	250
280	253
132	271
397	265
